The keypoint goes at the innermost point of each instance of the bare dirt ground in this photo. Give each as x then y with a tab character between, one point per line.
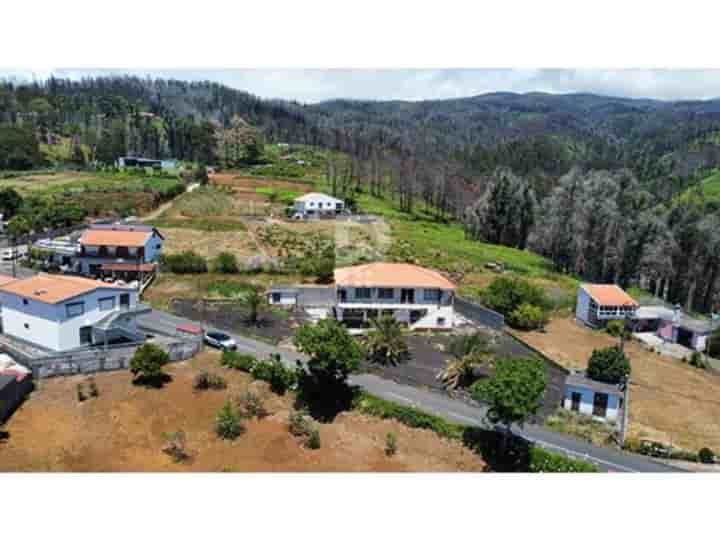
122	430
250	183
670	402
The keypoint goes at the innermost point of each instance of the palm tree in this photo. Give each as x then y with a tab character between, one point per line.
386	342
468	350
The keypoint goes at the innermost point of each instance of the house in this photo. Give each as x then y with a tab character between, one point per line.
131	162
416	296
597	304
314	205
122	251
674	326
60	313
600	400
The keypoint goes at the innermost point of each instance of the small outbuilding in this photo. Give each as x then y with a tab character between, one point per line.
599	303
600	400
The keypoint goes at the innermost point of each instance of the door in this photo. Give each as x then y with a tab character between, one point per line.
407	296
85	335
600	403
575	401
124	301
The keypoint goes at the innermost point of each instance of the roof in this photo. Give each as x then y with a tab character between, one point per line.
698	326
53	289
117	235
391	275
315	195
578	378
609	295
6	279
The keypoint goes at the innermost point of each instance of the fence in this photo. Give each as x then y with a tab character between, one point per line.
479	314
112	358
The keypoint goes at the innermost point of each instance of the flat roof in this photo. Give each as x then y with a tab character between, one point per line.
578	378
391	275
53	289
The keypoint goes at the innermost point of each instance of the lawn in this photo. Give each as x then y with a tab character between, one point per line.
670	401
123	430
207	208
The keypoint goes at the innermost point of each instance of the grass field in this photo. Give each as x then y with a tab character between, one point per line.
207	208
671	402
123	430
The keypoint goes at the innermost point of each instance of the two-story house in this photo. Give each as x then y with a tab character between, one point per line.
599	303
122	251
315	205
416	296
60	313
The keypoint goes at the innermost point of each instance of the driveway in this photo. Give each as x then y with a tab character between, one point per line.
438	403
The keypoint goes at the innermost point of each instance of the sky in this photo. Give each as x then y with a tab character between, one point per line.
314	85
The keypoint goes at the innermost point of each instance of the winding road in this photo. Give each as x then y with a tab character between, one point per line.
606	459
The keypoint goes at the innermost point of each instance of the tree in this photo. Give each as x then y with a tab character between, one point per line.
386	343
528	317
228	423
609	365
505	295
468	351
254	300
226	263
147	363
10	203
19	149
514	393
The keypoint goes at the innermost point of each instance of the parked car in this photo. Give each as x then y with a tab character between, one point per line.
220	341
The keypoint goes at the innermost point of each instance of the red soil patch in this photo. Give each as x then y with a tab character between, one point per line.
248	182
122	430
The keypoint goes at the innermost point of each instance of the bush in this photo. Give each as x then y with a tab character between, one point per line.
390	444
697	360
94	392
175	445
542	461
706	455
505	295
187	262
243	362
226	263
147	363
528	317
299	424
616	328
207	381
608	365
251	405
313	441
228	423
273	371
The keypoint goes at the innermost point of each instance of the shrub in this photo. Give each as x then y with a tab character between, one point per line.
506	294
543	461
273	371
390	444
313	441
616	328
94	392
251	405
226	263
697	360
299	425
233	359
147	363
706	455
608	365
187	262
175	446
207	381
228	423
528	317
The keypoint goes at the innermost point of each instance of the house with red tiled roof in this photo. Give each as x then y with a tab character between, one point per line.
599	303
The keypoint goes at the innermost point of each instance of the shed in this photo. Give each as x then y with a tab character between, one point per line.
600	400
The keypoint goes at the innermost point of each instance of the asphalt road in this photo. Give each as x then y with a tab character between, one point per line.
606	459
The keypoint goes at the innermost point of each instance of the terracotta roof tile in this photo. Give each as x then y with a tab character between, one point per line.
391	275
609	295
109	237
6	279
52	289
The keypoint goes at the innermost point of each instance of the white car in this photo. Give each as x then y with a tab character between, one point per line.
220	341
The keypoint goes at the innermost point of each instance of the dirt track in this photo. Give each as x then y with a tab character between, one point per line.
121	430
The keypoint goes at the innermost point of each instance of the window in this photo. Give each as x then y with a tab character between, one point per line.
25	301
575	399
75	309
27	326
85	335
600	403
362	292
385	294
432	295
441	321
106	304
276	297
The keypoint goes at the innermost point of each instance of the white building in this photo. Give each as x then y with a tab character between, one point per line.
600	400
416	296
163	164
61	313
119	250
598	304
313	205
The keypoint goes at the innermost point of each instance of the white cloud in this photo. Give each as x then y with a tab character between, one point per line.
313	85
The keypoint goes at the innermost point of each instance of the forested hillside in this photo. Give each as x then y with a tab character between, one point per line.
607	188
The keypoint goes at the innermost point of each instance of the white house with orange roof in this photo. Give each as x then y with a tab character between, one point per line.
416	296
599	303
119	249
60	313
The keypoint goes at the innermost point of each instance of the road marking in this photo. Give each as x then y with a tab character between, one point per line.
463	417
401	398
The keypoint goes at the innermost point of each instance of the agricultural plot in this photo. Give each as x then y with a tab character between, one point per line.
261	196
207	208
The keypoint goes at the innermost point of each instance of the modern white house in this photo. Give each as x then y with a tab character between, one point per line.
600	400
599	303
119	250
163	164
416	296
316	205
60	313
